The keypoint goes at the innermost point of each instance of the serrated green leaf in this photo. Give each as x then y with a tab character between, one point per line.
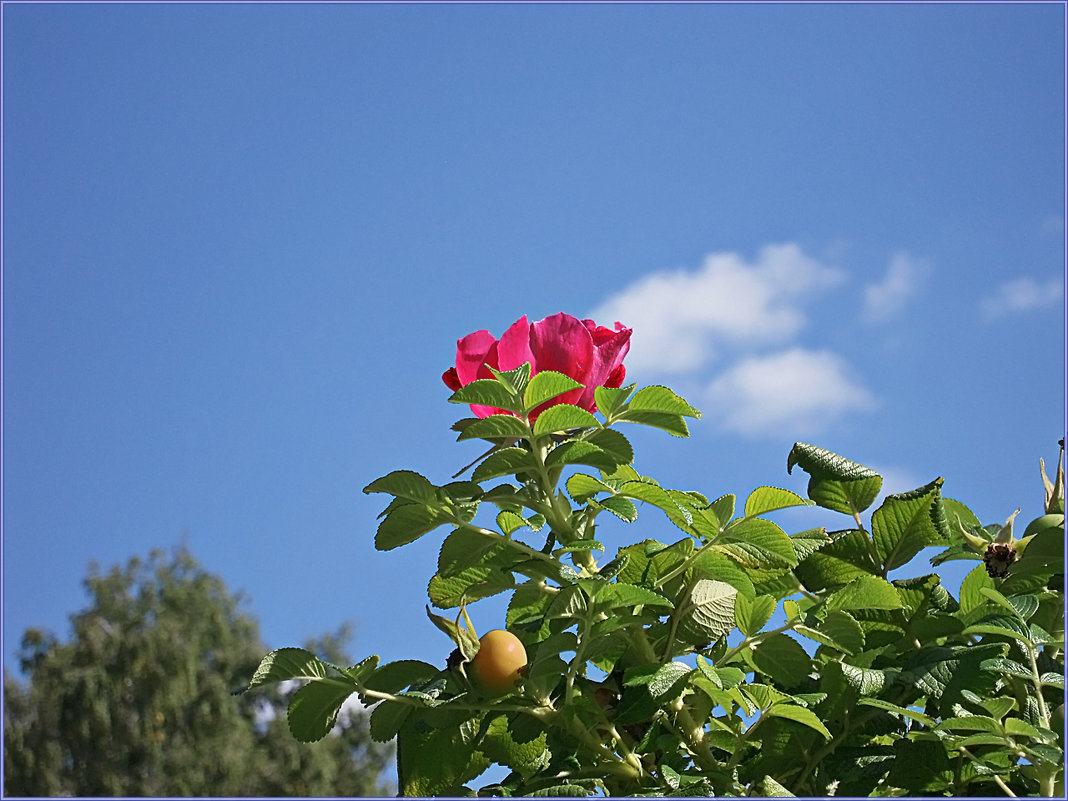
433	760
668	682
757	543
1002	626
782	658
618	594
708	612
866	681
971	589
579	452
865	592
545	386
582	486
835	482
674	424
912	714
393	677
510	522
386	720
843	628
613	443
769	499
505	462
799	714
408	522
907	523
313	709
283	664
752	615
846	558
610	399
524	755
514	380
653	494
623	508
769	788
563	417
496	427
486	392
475	582
405	484
661	399
970	723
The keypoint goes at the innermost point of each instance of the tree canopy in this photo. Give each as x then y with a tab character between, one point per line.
140	701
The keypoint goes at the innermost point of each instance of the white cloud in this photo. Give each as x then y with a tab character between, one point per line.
885	300
798	392
1020	295
680	317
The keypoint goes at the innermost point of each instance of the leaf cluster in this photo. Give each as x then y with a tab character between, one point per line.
730	658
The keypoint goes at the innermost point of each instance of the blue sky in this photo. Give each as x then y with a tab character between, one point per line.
240	243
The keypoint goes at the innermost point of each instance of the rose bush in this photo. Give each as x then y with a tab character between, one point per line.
580	349
716	654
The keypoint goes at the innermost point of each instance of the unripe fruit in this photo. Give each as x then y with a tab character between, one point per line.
500	663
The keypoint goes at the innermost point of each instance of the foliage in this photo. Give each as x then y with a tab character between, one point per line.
732	659
139	702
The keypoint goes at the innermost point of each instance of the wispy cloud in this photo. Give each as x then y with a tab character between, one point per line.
1020	295
681	317
885	300
797	392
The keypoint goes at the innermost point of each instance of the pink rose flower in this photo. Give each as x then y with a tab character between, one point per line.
589	353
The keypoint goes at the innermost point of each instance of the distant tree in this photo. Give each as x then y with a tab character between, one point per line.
140	701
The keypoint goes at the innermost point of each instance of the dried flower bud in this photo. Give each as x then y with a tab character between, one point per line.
998	557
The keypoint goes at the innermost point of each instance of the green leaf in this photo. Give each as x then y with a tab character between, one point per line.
613	443
509	522
661	399
752	615
970	723
489	576
514	380
912	714
464	549
865	592
393	677
835	482
669	681
866	681
769	499
1004	627
971	589
287	663
408	522
505	462
609	400
674	424
839	631
615	595
545	386
808	542
386	720
623	508
757	543
405	484
496	427
782	658
846	558
433	760
656	495
582	486
486	392
563	417
907	523
313	708
579	452
708	611
769	788
799	714
506	744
